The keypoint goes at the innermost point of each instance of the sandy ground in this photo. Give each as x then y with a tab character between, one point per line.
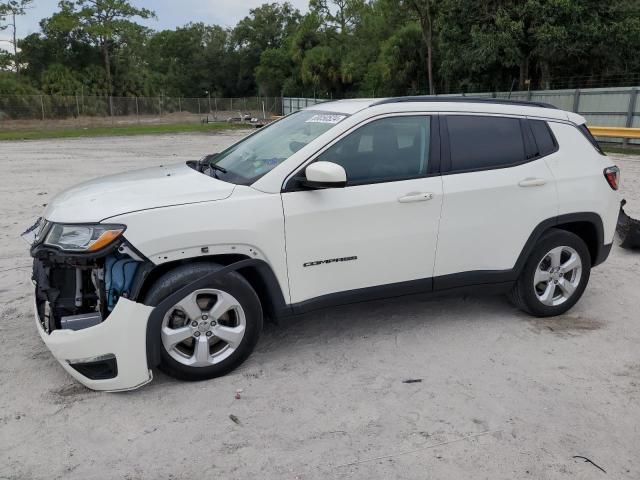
323	397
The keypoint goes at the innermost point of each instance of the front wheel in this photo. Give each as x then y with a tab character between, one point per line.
555	275
211	330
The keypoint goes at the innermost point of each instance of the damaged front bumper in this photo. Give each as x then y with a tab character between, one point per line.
111	356
87	314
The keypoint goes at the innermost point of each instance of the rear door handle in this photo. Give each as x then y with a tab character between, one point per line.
416	197
532	182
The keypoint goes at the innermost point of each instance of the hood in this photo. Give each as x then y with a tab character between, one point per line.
163	186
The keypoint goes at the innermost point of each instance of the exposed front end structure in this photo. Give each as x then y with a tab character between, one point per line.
86	318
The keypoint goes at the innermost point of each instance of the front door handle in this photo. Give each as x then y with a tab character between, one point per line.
416	197
532	182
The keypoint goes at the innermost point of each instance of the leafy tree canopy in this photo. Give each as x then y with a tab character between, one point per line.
339	48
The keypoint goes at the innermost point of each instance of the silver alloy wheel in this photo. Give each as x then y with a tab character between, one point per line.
204	328
557	276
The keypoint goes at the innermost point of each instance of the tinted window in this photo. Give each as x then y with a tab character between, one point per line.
484	142
543	137
384	150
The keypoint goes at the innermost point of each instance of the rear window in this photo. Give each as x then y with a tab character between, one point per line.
592	140
479	142
543	137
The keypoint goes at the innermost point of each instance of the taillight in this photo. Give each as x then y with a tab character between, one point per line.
612	174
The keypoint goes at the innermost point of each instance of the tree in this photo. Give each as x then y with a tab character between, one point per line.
189	59
274	69
103	21
11	9
10	84
400	66
425	11
267	27
321	70
489	45
60	80
339	48
341	15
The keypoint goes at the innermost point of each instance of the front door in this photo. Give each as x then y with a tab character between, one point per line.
381	229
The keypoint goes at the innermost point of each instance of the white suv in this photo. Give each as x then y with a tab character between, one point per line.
177	266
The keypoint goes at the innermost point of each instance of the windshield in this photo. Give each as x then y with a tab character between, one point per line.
251	158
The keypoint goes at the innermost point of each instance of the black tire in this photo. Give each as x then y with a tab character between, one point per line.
523	294
232	283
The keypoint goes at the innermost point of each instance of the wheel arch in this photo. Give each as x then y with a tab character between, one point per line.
259	275
257	272
586	225
589	233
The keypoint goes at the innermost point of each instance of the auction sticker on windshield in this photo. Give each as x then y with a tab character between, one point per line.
326	118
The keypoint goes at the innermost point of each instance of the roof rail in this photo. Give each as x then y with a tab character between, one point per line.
446	99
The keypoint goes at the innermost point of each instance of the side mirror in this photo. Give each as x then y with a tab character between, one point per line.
325	175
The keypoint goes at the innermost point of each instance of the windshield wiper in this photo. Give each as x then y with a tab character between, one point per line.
214	166
208	162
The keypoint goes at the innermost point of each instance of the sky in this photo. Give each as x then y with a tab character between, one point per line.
170	13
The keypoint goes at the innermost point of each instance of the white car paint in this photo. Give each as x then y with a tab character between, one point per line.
123	334
451	224
144	189
577	172
322	172
248	223
368	222
479	230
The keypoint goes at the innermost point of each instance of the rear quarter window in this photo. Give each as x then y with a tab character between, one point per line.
589	136
545	141
483	142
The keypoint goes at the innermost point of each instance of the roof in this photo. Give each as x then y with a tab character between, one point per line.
495	101
449	104
345	106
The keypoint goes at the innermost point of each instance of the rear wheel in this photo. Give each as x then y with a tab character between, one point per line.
211	330
555	275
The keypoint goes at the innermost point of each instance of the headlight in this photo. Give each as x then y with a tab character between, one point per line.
82	238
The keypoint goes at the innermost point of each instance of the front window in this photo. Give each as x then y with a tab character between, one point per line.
251	158
385	150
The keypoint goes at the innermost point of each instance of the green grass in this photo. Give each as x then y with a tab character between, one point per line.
125	130
630	150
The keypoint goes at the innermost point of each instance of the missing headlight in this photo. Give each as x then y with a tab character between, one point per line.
77	291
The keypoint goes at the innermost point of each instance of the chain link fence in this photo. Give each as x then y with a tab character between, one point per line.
17	111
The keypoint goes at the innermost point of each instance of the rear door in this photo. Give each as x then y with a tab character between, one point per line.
378	231
497	188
